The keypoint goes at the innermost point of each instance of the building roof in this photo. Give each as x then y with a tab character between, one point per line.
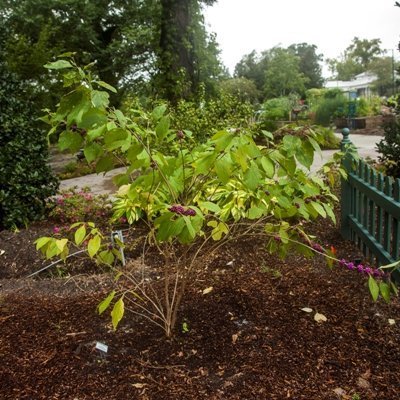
359	82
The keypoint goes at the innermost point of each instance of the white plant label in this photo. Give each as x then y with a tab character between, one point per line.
102	347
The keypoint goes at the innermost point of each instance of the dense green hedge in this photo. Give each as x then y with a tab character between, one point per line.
25	179
389	149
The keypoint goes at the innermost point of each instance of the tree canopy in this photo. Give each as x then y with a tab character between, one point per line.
356	58
130	42
279	71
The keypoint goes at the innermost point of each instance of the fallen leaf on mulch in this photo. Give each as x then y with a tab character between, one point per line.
307	310
138	385
363	383
208	290
320	318
235	337
391	321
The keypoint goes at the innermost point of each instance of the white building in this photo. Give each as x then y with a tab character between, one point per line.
362	84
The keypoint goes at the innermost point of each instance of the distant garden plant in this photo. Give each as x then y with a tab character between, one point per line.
193	197
389	149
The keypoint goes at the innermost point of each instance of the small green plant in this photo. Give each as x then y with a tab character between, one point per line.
75	169
273	272
356	396
185	327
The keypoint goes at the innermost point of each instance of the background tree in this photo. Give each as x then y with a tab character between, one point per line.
310	63
187	56
251	67
242	88
356	58
131	43
384	68
283	75
117	35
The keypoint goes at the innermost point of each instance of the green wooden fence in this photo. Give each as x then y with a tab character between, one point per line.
370	210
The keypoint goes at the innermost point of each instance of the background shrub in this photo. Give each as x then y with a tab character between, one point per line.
25	178
209	116
329	108
389	148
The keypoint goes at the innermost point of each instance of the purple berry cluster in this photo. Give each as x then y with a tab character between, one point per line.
362	269
317	247
178	209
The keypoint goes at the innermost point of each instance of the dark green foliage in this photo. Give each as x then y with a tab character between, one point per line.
329	108
187	54
310	63
25	179
389	148
210	116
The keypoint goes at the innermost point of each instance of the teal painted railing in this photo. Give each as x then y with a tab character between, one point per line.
370	210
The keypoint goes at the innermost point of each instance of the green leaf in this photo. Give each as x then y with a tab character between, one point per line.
93	118
392	265
59	64
220	229
384	289
95	133
158	112
319	209
115	138
104	164
70	140
92	152
329	212
80	234
268	166
106	302
94	245
41	242
305	154
61	243
106	86
291	144
203	163
373	288
117	312
210	206
252	176
99	98
222	140
121	118
189	226
106	257
255	212
134	151
169	228
162	127
223	170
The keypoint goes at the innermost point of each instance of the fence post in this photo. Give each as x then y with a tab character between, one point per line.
345	187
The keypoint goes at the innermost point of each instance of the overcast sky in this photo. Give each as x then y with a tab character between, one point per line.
244	25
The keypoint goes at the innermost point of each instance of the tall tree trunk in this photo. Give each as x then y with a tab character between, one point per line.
177	64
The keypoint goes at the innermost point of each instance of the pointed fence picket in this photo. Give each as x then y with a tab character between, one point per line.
370	210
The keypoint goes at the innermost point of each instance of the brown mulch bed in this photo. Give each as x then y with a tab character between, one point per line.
247	339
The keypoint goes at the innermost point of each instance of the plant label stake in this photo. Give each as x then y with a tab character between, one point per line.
117	235
103	349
